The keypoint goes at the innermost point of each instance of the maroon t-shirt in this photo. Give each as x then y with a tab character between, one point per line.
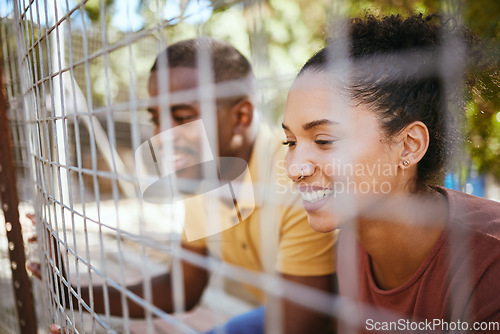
458	283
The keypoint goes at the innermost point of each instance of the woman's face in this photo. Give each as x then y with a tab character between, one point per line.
340	150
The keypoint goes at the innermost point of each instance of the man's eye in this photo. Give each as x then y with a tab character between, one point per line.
186	118
289	143
154	120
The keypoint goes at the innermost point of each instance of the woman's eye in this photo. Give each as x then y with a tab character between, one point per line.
324	142
289	143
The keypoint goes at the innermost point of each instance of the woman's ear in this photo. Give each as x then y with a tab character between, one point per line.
415	140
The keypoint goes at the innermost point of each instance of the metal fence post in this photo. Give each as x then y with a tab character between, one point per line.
10	202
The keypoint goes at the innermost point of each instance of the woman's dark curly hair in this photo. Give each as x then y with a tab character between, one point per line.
401	69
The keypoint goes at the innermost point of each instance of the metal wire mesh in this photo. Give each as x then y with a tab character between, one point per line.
78	100
79	129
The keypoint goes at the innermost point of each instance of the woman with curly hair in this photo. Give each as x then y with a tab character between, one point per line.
369	129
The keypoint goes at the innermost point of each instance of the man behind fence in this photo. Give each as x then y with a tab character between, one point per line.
293	248
268	232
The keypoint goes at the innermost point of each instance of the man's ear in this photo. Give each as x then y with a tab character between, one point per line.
242	115
415	140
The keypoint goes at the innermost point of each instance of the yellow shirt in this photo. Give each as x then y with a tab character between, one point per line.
276	235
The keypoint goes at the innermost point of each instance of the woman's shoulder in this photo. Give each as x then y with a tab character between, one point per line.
479	214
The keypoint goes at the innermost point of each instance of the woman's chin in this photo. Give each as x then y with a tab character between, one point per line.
321	222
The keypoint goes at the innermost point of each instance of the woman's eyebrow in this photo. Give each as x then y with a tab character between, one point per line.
313	124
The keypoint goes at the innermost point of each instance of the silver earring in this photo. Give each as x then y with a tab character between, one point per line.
406	163
301	177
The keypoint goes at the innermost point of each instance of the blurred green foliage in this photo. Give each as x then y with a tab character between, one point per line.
93	9
279	36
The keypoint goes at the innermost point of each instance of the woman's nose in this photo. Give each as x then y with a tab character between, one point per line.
300	170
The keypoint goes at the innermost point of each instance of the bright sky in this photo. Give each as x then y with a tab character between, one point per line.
126	16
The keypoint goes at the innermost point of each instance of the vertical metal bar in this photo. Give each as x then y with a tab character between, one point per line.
107	103
78	157
40	152
10	202
54	194
64	177
88	87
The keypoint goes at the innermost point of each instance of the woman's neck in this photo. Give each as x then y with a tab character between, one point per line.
400	233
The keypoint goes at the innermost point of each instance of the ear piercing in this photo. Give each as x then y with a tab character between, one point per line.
406	163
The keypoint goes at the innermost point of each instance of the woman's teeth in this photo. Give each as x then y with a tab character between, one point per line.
313	196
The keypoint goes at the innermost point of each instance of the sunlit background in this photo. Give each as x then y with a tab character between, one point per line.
278	36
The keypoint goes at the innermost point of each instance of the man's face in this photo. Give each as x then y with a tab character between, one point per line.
183	108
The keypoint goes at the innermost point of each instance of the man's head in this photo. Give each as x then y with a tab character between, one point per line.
186	71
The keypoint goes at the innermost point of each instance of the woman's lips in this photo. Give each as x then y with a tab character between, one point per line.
314	197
